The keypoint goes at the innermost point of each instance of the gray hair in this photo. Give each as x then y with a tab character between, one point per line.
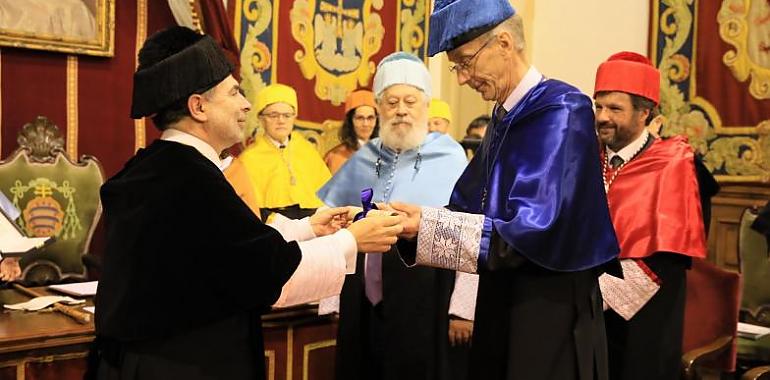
514	25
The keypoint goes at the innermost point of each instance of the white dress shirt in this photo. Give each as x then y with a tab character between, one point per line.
628	151
528	82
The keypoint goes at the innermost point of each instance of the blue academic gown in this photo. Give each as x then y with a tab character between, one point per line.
410	325
428	181
547	235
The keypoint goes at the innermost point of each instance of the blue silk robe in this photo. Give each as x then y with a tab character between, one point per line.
533	221
537	174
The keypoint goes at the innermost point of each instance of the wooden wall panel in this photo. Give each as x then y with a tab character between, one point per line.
726	210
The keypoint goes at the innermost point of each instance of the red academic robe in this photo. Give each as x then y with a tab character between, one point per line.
655	204
655	207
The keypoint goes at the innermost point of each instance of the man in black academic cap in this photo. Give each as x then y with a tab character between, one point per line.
189	268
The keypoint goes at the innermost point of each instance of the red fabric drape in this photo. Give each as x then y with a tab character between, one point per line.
219	25
715	82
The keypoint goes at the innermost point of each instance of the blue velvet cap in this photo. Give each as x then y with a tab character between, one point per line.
455	22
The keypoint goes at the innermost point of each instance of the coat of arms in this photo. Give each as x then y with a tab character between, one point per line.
746	26
338	38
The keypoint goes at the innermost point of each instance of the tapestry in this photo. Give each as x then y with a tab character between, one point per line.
326	49
714	58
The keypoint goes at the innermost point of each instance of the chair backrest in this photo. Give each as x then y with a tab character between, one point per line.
56	197
711	309
755	267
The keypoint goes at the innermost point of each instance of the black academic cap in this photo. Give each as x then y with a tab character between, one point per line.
174	64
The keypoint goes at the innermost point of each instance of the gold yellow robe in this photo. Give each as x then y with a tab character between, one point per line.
238	177
267	167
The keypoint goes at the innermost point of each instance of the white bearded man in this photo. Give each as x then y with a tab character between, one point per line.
393	319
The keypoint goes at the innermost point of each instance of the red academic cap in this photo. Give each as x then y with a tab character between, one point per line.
631	73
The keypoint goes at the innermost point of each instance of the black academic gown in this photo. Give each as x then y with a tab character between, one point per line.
188	270
406	336
649	346
537	323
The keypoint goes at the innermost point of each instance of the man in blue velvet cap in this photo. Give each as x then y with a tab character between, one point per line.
529	214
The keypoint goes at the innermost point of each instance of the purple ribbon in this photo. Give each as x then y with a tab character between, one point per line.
366	202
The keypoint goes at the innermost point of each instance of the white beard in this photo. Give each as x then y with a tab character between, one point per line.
402	137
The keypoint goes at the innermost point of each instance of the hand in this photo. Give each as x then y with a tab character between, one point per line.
353	211
460	331
410	218
327	221
376	234
10	269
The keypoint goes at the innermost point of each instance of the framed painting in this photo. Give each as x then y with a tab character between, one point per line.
69	26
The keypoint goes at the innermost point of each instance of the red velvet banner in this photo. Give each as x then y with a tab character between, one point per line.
715	82
714	60
34	83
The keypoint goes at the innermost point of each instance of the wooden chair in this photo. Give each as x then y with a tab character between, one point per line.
758	373
755	304
711	318
56	197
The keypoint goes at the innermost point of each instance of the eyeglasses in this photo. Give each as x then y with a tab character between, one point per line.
368	119
276	115
465	65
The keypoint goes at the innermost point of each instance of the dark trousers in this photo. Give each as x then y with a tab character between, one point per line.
649	346
459	360
374	345
228	349
368	348
536	324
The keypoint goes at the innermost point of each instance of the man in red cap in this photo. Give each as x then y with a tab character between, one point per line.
654	202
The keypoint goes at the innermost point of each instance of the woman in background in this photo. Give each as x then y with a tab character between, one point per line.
360	125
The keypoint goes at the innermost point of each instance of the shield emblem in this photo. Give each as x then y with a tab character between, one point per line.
338	39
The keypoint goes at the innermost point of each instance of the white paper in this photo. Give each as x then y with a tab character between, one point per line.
748	330
80	289
39	303
12	241
90	309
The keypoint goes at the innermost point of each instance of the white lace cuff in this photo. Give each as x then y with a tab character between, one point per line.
463	301
450	240
628	295
329	305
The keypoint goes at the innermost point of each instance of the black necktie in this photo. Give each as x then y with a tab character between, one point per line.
616	161
500	113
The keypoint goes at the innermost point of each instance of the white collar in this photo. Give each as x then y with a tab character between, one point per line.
279	144
201	146
528	82
629	151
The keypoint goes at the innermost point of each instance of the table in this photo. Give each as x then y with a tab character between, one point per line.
46	345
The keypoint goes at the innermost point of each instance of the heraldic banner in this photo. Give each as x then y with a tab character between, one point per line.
714	58
324	49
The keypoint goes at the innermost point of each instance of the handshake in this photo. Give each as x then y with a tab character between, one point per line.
375	233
